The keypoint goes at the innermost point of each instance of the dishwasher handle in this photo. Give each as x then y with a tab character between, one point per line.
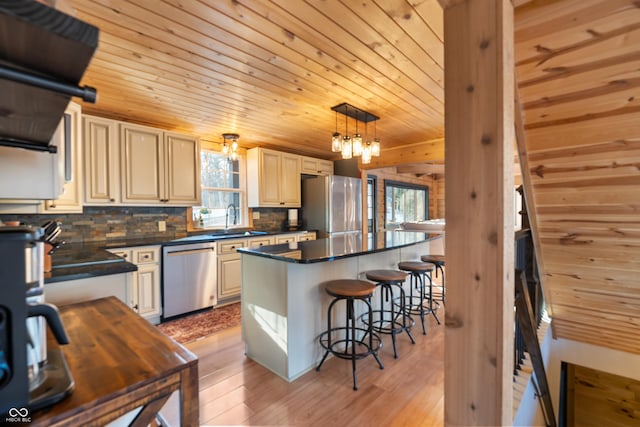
190	251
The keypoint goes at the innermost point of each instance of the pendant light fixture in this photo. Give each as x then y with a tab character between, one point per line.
355	146
230	145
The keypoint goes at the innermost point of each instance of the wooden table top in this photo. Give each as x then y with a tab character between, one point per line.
118	361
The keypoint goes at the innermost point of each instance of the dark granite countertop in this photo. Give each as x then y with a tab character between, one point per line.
337	247
82	260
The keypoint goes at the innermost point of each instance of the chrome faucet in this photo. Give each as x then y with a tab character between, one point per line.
226	216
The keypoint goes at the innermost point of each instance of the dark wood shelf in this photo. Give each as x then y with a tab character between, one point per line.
47	43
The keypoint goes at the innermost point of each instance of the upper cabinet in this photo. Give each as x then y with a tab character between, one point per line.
70	201
313	166
273	178
101	161
139	165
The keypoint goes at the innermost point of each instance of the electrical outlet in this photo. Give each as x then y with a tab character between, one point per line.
162	225
256	215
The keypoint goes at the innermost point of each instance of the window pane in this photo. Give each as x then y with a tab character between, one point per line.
405	202
221	198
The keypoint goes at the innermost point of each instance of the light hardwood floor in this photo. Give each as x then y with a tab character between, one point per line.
409	391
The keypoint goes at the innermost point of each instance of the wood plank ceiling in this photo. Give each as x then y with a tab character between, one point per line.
270	70
578	70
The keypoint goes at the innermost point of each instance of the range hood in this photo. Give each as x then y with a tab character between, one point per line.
43	55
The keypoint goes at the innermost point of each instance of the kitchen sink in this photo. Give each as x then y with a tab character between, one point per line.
231	234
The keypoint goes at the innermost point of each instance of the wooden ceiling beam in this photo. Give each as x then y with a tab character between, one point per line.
427	151
421	168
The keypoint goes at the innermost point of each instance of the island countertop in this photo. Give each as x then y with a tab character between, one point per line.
339	246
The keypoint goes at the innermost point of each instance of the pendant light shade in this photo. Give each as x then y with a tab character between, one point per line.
336	139
375	147
347	148
366	153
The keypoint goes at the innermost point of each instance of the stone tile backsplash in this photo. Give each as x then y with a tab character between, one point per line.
104	223
117	223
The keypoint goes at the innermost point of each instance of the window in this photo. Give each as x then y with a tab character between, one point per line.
372	203
405	202
223	198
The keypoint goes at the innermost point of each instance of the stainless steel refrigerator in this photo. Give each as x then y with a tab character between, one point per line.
332	205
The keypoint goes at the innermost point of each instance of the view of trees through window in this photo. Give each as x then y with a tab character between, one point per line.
221	191
405	202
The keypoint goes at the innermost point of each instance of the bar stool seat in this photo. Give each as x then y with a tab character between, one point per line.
390	318
345	345
439	261
415	304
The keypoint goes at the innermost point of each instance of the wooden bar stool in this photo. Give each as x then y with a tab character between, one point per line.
386	319
344	346
438	261
415	303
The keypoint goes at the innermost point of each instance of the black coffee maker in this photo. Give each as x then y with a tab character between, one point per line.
31	376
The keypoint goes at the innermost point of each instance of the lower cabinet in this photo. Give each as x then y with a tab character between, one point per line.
229	270
230	266
143	293
80	290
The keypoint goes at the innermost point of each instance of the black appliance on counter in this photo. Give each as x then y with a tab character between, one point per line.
32	376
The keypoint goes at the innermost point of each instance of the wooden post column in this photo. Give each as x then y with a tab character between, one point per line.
479	130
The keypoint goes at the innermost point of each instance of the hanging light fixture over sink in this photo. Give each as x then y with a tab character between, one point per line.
356	146
230	145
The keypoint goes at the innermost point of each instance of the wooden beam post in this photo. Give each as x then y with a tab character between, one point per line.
479	129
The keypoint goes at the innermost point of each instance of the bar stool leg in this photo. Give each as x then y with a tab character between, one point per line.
370	328
351	321
431	300
326	353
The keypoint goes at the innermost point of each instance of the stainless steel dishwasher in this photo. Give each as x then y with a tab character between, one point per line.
189	278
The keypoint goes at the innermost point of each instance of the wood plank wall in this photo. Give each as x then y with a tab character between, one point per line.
597	399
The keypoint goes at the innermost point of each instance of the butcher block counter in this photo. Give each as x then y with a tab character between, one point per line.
120	362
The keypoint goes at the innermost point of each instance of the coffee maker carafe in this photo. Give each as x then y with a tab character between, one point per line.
31	375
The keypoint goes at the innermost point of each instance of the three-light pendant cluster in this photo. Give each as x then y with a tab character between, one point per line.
355	146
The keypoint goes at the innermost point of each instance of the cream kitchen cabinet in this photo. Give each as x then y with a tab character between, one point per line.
139	165
295	237
159	166
285	238
229	269
143	293
66	172
229	265
306	235
273	178
313	166
70	201
101	161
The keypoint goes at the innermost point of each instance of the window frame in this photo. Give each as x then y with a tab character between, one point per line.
243	212
405	185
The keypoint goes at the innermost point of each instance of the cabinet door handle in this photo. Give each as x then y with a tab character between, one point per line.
233	247
112	200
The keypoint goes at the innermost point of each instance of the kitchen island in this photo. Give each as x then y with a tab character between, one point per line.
284	304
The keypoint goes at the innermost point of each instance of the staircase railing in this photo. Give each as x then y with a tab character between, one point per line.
529	304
